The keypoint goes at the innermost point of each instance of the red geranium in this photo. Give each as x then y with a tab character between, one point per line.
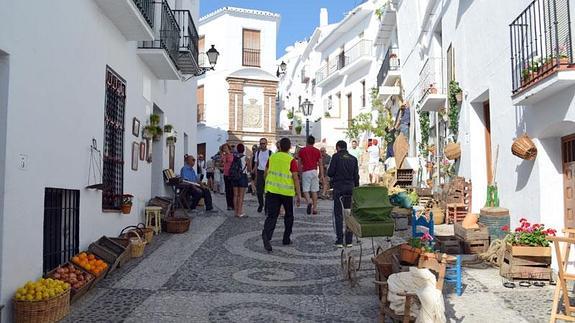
528	234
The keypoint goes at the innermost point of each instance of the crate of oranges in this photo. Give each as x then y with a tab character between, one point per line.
91	263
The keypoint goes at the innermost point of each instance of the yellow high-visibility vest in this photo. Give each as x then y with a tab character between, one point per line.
279	179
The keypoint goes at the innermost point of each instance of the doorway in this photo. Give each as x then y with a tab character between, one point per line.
158	159
202	149
488	153
568	158
349	110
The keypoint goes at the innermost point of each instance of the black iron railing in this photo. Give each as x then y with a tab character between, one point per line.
147	9
251	57
169	33
188	47
541	42
61	226
390	63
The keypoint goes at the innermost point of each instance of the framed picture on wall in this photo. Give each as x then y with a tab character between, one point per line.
136	127
143	150
135	155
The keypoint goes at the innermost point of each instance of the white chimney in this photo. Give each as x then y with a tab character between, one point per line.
323	17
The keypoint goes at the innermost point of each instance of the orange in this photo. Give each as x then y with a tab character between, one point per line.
83	255
76	259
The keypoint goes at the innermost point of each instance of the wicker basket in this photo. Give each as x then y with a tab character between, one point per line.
47	311
523	147
177	224
138	246
148	232
452	151
75	294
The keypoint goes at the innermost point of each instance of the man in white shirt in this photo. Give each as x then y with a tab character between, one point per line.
261	160
372	166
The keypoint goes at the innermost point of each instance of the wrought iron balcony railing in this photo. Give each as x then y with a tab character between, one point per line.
147	9
390	63
169	32
251	57
541	42
187	61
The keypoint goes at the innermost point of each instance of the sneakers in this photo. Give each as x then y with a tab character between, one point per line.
308	209
339	245
286	242
349	245
266	241
260	208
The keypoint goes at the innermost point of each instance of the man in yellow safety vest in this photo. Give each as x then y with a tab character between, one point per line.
282	184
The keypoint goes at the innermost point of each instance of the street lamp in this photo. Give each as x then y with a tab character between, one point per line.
281	69
213	55
306	108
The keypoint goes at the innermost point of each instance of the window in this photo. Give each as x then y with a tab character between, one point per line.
450	64
363	93
201	106
61	226
113	159
202	50
251	48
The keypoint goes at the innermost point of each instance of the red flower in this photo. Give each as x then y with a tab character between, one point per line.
550	232
537	226
525	224
519	230
505	228
523	220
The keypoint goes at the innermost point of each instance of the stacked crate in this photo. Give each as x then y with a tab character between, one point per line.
458	200
474	241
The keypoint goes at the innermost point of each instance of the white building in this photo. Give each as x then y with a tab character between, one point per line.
237	101
71	72
502	99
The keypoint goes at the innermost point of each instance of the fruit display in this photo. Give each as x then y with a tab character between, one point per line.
89	262
72	275
41	290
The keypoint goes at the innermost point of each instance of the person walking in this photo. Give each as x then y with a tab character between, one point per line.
372	166
344	173
210	169
311	162
201	167
326	160
252	184
239	171
261	160
355	151
227	159
282	184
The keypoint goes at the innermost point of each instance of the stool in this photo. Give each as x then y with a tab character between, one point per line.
155	213
453	272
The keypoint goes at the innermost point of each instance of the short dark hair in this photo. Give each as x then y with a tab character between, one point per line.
354	141
240	148
310	140
285	144
341	145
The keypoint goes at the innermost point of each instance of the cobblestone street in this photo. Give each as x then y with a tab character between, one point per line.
219	272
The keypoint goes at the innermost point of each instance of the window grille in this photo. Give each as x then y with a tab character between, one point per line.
113	166
61	226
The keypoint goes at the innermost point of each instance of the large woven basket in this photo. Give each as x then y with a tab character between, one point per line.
47	311
148	232
452	151
523	147
177	224
137	242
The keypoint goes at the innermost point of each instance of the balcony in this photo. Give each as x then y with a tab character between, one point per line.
305	74
431	85
161	54
188	56
134	18
542	51
201	113
251	57
388	21
389	74
357	56
330	70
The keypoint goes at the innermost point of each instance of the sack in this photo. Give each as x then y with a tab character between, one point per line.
236	170
371	203
401	199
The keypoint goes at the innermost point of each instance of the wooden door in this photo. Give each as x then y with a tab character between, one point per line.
202	149
568	154
349	110
488	151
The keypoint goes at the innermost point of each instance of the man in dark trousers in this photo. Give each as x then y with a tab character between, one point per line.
344	173
282	184
261	160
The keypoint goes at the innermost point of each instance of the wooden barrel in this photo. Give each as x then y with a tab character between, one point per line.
495	218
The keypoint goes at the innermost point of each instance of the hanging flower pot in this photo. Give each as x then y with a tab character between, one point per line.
171	140
432	89
126	208
523	147
126	205
452	151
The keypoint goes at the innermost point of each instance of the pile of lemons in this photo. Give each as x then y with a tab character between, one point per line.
41	290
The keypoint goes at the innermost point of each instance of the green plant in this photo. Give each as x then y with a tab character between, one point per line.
171	139
154	119
290	115
298	129
127	199
424	126
424	242
317	120
327	115
168	128
454	89
528	234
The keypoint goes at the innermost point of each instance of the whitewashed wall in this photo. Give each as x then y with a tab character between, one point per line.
58	56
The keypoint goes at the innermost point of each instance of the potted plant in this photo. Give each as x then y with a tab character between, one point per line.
126	205
410	251
432	88
168	128
427	253
171	140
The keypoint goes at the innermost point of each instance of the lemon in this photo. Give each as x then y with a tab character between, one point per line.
29	297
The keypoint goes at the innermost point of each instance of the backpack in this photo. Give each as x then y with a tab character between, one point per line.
236	170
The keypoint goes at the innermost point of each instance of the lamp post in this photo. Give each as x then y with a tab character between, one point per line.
281	69
306	108
213	55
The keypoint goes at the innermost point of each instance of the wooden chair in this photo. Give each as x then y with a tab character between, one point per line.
437	266
562	288
419	223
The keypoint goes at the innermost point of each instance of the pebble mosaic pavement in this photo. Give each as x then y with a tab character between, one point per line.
219	272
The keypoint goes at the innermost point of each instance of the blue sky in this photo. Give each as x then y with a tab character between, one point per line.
299	17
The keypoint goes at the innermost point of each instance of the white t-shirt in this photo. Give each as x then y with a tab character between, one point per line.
262	159
373	152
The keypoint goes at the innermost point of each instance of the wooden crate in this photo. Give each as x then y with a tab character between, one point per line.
456	213
526	263
448	244
476	246
464	234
